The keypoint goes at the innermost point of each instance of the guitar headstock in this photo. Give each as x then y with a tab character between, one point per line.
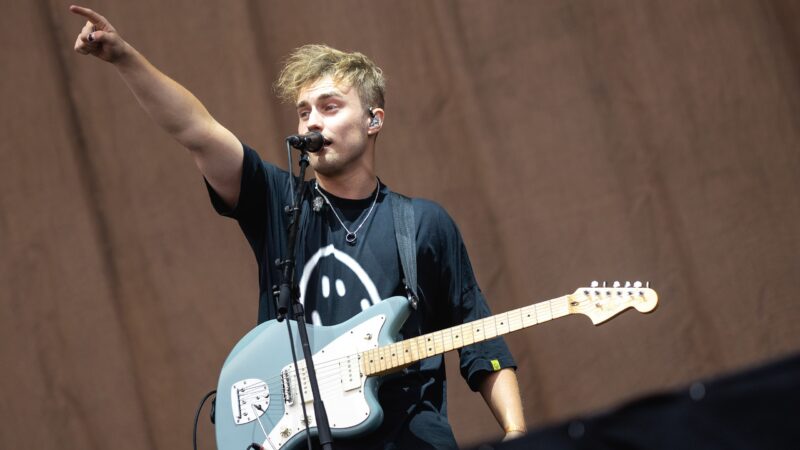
601	302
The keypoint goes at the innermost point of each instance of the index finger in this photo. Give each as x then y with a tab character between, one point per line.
88	13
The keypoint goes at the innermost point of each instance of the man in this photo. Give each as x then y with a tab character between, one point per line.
347	256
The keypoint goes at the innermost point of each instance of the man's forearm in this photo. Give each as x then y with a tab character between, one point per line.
500	390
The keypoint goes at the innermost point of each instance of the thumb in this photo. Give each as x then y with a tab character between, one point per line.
98	37
106	45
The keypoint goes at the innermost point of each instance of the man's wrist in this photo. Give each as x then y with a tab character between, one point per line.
124	57
513	433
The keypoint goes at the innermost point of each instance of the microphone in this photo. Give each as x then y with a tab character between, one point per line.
310	142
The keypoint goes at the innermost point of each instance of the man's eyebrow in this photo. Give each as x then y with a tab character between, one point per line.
323	96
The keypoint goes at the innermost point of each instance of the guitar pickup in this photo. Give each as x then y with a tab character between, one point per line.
291	388
350	373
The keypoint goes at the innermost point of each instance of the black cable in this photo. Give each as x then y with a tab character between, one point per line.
299	381
197	416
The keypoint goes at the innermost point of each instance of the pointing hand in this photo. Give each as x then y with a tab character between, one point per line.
98	37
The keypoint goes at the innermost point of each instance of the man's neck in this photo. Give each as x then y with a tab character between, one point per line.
352	186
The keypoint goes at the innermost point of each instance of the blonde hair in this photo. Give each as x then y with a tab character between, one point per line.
309	63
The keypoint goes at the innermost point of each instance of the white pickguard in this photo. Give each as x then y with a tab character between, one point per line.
341	384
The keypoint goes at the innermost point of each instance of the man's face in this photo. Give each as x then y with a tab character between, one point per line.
335	110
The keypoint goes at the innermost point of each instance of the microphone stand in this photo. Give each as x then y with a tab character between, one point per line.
288	293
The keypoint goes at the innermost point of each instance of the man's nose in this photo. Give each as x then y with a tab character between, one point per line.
314	122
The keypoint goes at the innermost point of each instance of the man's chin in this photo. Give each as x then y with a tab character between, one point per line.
325	164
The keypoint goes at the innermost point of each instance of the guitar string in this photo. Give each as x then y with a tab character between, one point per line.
329	371
328	378
332	364
397	359
326	368
331	367
325	386
270	411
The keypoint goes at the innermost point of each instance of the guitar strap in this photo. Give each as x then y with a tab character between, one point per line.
406	236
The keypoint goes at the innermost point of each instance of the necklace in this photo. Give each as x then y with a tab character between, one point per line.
350	237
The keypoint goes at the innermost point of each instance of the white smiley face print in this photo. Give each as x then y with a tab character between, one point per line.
333	289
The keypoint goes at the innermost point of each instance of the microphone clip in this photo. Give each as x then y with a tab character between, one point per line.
317	204
311	142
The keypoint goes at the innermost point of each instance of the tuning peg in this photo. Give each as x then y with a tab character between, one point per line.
627	284
594	284
647	284
637	284
616	284
605	283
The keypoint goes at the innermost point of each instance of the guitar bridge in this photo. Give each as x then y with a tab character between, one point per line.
286	386
249	400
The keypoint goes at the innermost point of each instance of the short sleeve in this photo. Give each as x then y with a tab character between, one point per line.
477	360
252	190
259	209
465	301
480	359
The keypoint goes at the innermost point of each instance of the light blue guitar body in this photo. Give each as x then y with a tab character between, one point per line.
258	396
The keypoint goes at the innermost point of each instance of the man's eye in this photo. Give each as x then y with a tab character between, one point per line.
303	114
331	107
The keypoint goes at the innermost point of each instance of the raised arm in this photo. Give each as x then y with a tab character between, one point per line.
216	151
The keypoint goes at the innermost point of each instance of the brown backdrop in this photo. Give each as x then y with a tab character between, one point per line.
571	140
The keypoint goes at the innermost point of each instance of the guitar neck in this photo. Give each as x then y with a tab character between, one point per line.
392	357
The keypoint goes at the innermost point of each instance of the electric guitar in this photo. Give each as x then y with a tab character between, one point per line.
259	395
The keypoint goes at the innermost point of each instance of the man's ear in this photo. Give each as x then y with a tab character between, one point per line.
376	116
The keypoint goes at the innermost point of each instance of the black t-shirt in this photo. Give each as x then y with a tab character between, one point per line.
338	280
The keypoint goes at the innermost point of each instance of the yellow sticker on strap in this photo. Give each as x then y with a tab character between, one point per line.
496	365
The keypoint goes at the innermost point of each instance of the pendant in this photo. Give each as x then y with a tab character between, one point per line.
350	238
317	204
